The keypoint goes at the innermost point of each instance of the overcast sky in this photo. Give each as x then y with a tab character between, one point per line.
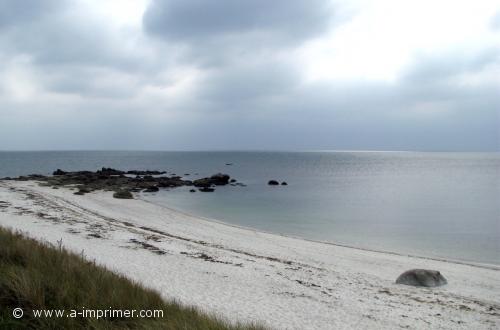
250	74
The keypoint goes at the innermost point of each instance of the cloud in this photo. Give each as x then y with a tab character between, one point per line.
243	49
196	20
249	82
230	75
64	35
74	51
213	33
14	12
430	107
495	21
449	65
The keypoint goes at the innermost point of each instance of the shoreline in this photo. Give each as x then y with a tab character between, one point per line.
224	223
242	274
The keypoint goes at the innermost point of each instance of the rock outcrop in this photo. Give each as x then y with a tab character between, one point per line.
218	179
110	179
59	172
136	172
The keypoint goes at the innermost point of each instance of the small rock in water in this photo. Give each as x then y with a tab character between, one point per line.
192	190
206	189
284	183
151	189
422	277
273	183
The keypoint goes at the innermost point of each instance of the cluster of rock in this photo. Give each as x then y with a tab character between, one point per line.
112	171
276	183
215	180
124	182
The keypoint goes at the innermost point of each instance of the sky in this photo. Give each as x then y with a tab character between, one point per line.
250	75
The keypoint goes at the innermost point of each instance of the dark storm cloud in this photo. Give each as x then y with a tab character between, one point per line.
241	46
195	20
214	33
59	38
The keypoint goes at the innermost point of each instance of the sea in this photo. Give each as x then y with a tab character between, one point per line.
431	204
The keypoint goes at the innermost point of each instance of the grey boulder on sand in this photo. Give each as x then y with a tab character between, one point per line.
123	194
422	277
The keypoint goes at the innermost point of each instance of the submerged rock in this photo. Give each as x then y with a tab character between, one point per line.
422	277
206	189
152	189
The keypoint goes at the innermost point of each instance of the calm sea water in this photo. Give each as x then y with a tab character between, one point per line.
430	204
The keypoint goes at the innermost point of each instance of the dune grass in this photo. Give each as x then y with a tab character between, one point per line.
34	275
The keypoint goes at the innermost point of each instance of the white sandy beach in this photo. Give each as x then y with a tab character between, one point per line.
246	275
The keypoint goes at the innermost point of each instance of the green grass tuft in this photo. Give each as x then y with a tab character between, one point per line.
35	275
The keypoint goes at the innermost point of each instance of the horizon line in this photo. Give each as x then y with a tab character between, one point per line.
247	150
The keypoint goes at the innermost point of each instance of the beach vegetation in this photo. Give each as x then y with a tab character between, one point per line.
39	276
